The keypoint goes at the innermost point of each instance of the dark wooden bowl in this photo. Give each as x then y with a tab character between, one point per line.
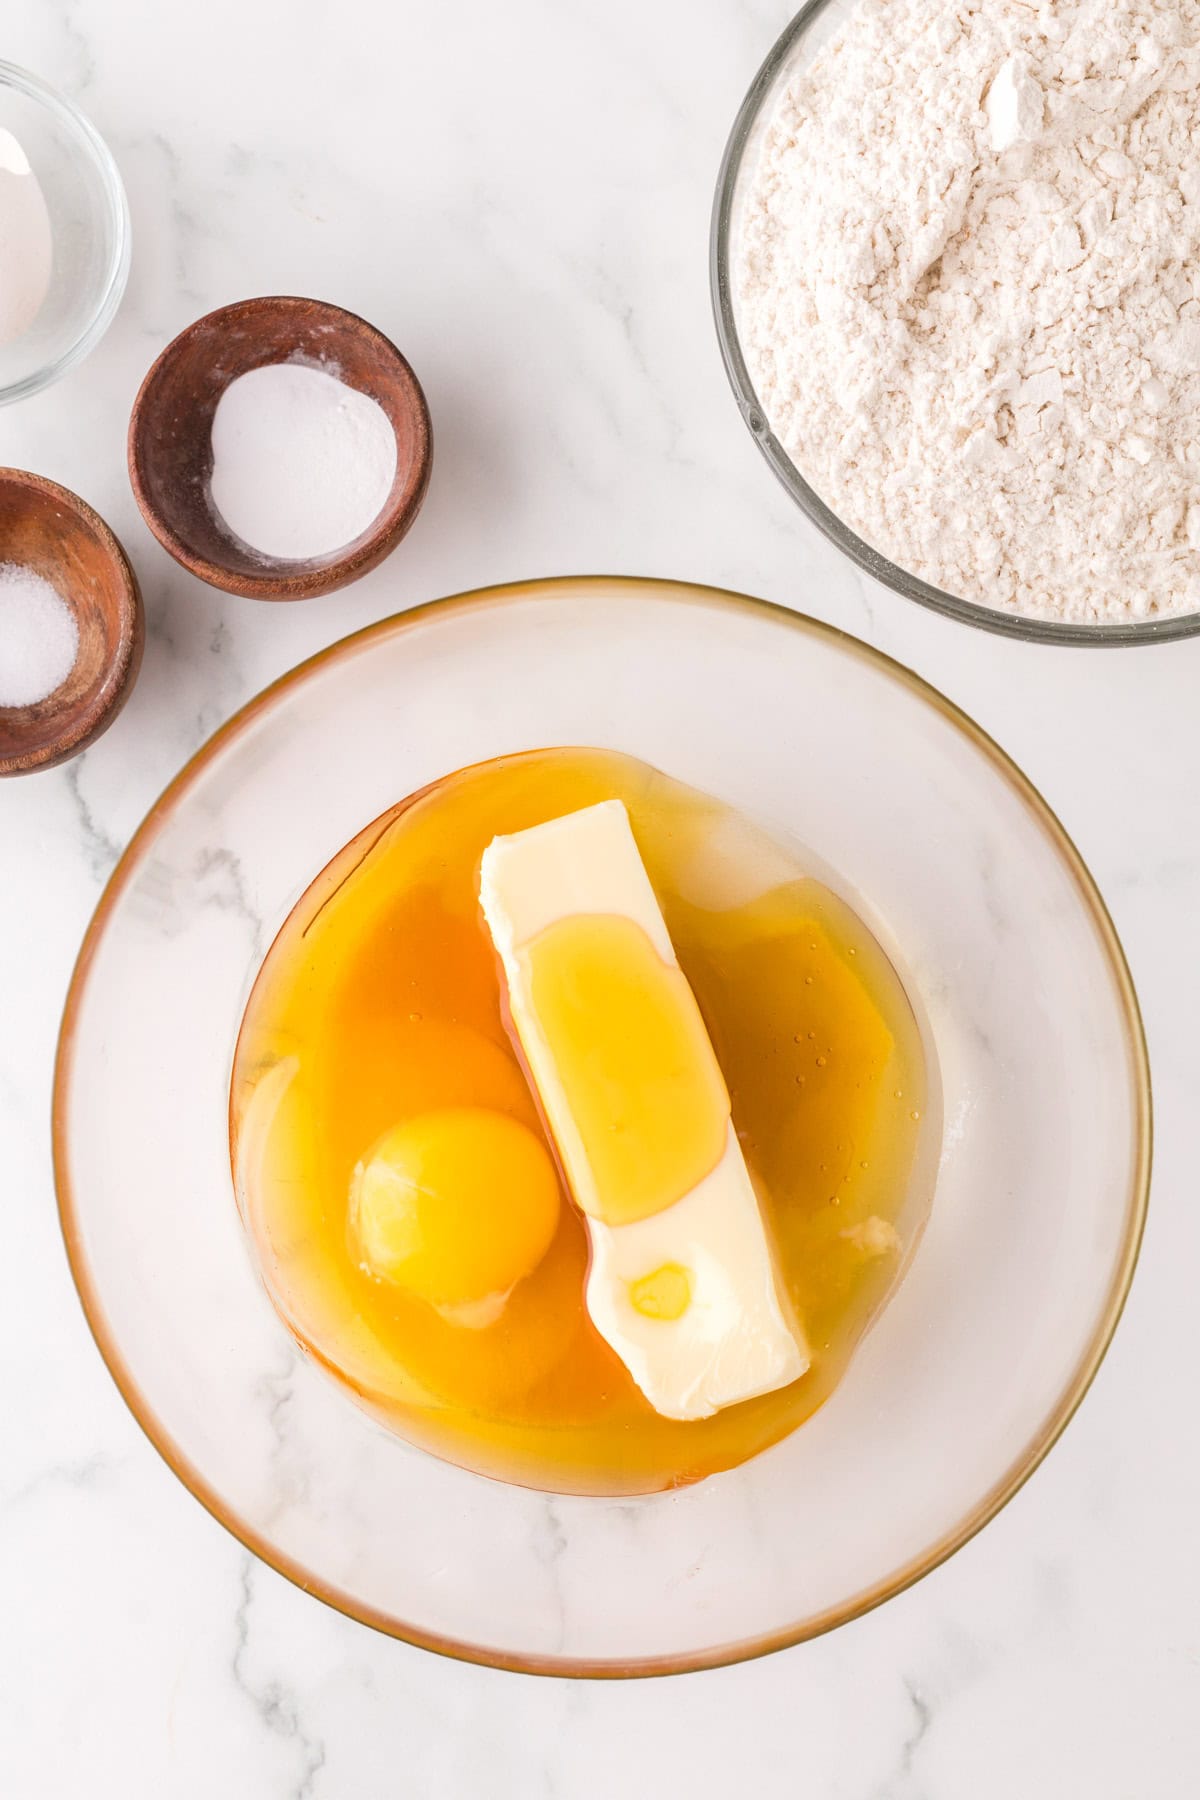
170	439
57	535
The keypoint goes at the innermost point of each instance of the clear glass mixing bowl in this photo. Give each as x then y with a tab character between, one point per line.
89	221
992	1337
812	26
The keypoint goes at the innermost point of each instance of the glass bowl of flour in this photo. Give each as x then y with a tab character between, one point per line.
64	235
952	270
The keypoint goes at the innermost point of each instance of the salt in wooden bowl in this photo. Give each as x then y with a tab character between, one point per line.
49	530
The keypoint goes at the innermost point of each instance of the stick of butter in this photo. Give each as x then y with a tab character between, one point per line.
682	1283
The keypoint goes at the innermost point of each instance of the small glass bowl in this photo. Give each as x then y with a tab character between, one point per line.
89	220
800	42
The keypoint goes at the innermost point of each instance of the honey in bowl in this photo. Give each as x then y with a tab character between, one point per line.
377	1058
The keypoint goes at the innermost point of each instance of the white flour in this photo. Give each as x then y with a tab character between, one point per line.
969	295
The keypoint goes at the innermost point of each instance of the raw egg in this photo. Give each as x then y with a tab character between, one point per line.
399	1181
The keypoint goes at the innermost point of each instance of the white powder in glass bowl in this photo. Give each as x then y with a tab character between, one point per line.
26	242
968	290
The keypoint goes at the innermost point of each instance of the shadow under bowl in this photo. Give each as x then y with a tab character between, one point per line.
54	533
170	439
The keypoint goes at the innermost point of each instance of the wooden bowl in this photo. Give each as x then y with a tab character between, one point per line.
170	439
57	535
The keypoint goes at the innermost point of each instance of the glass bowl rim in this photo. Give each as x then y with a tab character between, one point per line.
872	562
65	111
683	594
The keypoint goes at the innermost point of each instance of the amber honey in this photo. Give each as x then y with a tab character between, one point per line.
381	1002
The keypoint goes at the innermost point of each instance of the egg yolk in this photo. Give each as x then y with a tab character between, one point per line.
632	1054
455	1207
666	1293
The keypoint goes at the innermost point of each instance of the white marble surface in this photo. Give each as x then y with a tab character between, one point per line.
520	197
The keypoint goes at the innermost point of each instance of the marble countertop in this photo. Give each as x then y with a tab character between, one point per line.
519	196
